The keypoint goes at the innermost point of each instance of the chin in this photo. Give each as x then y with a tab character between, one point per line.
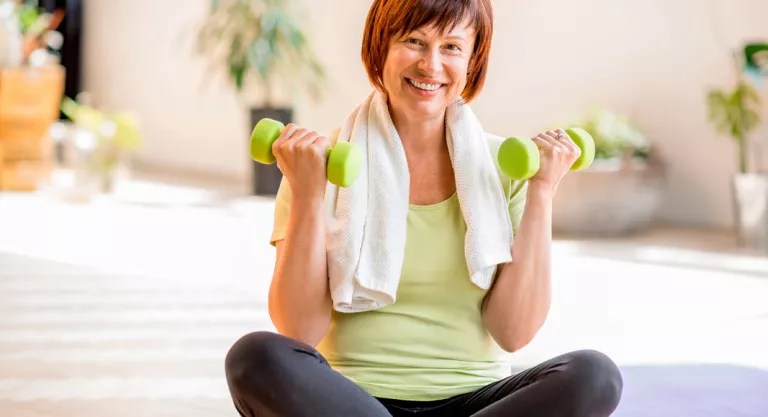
428	108
433	106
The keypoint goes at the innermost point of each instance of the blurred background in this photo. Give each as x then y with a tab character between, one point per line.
134	226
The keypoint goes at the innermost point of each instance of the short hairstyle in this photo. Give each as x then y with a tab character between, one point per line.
390	18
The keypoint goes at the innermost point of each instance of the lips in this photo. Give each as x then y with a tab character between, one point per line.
425	84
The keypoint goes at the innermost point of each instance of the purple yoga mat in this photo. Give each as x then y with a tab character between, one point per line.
694	391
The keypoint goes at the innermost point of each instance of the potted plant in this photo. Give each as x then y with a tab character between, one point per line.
104	138
735	113
261	48
621	191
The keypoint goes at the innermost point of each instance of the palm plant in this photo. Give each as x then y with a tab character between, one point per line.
260	41
735	113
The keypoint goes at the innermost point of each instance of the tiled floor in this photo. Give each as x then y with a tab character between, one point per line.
127	308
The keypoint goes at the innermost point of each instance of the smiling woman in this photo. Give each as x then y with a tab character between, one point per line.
399	294
463	29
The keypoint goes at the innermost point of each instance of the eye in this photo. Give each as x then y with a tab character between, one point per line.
454	48
413	41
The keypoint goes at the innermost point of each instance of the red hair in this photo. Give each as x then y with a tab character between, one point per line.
393	18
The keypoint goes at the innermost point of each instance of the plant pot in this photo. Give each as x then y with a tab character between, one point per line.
266	178
612	197
750	209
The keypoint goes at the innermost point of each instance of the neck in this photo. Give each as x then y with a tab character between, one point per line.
420	134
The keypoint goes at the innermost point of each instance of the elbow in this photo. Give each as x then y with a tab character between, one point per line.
511	344
307	330
515	338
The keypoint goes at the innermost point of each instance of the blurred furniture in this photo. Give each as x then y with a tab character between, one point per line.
30	98
609	199
71	52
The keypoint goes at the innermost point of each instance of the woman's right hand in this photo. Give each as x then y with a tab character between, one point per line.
301	156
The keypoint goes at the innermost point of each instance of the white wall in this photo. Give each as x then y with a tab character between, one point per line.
551	59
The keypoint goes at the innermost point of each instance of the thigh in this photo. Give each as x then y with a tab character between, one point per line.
580	383
272	375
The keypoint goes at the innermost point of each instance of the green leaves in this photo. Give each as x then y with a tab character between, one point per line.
120	129
614	135
734	113
260	41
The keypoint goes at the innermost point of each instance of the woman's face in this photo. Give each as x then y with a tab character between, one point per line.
426	70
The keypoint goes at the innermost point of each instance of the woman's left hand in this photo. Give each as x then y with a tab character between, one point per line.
558	153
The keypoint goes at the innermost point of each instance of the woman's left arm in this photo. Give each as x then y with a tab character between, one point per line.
518	303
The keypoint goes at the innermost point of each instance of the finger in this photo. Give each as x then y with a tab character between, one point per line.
567	140
286	134
558	137
307	140
298	135
295	139
545	141
322	142
540	142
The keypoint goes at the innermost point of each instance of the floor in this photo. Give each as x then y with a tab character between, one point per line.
126	306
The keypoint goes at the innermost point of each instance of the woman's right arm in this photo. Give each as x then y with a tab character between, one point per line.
299	297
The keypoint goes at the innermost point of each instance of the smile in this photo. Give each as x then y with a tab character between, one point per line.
424	86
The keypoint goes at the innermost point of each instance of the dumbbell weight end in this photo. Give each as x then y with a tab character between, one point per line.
586	143
264	134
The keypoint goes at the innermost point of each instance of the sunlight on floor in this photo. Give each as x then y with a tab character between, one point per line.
140	294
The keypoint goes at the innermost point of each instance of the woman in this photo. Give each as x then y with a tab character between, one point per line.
438	349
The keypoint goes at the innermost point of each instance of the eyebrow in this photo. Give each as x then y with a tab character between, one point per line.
449	37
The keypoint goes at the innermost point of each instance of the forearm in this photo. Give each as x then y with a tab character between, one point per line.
299	299
518	304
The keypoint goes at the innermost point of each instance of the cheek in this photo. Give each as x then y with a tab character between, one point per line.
393	67
459	74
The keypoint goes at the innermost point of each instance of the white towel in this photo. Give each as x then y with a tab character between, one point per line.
366	222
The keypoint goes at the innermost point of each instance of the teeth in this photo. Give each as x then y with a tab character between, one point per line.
427	87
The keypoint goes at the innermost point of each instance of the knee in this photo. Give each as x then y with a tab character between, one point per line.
255	359
597	382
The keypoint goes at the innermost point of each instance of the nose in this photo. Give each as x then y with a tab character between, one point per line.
431	61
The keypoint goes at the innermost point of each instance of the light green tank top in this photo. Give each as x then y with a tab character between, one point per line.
431	344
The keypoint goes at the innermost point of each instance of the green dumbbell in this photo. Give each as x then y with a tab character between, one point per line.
519	156
344	159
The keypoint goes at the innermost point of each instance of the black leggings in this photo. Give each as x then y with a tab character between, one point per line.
273	376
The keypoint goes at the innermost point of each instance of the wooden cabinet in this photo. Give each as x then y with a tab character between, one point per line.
29	104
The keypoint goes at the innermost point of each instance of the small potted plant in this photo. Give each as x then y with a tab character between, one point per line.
735	113
621	191
265	54
104	138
